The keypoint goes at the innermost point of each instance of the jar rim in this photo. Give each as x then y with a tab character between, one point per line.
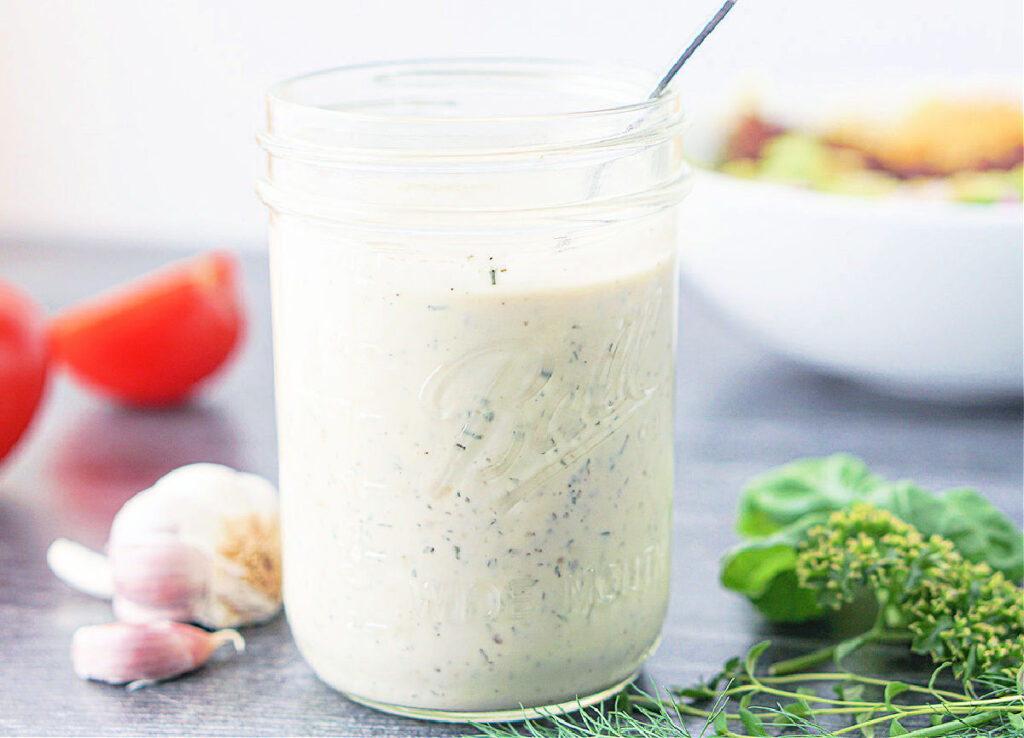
360	129
361	113
642	80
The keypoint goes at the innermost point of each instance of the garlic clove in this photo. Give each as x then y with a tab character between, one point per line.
202	545
230	518
164	580
80	567
138	654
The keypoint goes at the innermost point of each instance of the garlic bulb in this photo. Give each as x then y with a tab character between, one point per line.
201	545
139	654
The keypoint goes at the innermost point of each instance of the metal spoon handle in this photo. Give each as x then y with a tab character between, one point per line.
595	182
705	32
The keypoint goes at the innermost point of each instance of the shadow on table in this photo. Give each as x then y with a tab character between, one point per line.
785	389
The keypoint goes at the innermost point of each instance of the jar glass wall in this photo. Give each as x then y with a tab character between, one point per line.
473	271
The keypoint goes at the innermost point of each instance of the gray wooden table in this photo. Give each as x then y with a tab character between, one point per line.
739	411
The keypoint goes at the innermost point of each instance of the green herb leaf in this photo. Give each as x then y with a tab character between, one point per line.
1016	720
752	723
849	692
750	662
720	723
732	667
778	508
868	731
979	531
785	494
751	566
892	689
694	693
798	709
896	729
765	571
786	601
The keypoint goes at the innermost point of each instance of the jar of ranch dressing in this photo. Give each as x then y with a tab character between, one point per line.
473	270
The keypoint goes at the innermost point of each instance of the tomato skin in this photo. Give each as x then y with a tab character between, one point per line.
152	341
24	362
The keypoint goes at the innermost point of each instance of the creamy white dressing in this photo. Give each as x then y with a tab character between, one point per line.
476	458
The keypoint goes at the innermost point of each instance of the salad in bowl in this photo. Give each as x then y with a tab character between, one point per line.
873	233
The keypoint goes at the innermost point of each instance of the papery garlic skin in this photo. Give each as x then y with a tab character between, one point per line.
138	654
201	545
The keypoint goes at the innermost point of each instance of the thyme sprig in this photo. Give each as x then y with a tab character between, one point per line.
739	702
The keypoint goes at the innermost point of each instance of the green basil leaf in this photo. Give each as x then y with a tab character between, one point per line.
786	601
750	568
785	494
979	531
779	507
908	502
765	571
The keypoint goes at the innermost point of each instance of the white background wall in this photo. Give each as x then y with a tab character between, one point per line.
134	119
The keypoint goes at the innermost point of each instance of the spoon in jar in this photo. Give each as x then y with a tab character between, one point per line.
595	183
697	41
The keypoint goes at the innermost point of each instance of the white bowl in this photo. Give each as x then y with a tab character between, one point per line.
916	297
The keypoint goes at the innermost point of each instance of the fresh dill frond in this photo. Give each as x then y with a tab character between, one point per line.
618	719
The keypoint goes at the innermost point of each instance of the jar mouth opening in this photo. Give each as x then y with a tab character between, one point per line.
631	84
465	108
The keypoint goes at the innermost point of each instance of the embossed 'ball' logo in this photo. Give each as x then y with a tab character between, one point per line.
526	410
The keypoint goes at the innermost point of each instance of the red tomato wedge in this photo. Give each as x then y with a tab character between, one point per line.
152	341
23	363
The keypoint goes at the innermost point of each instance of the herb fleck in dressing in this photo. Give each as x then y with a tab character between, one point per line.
476	468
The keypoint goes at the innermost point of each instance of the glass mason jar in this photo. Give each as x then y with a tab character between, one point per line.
473	271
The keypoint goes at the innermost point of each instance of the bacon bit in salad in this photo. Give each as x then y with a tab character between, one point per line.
966	151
